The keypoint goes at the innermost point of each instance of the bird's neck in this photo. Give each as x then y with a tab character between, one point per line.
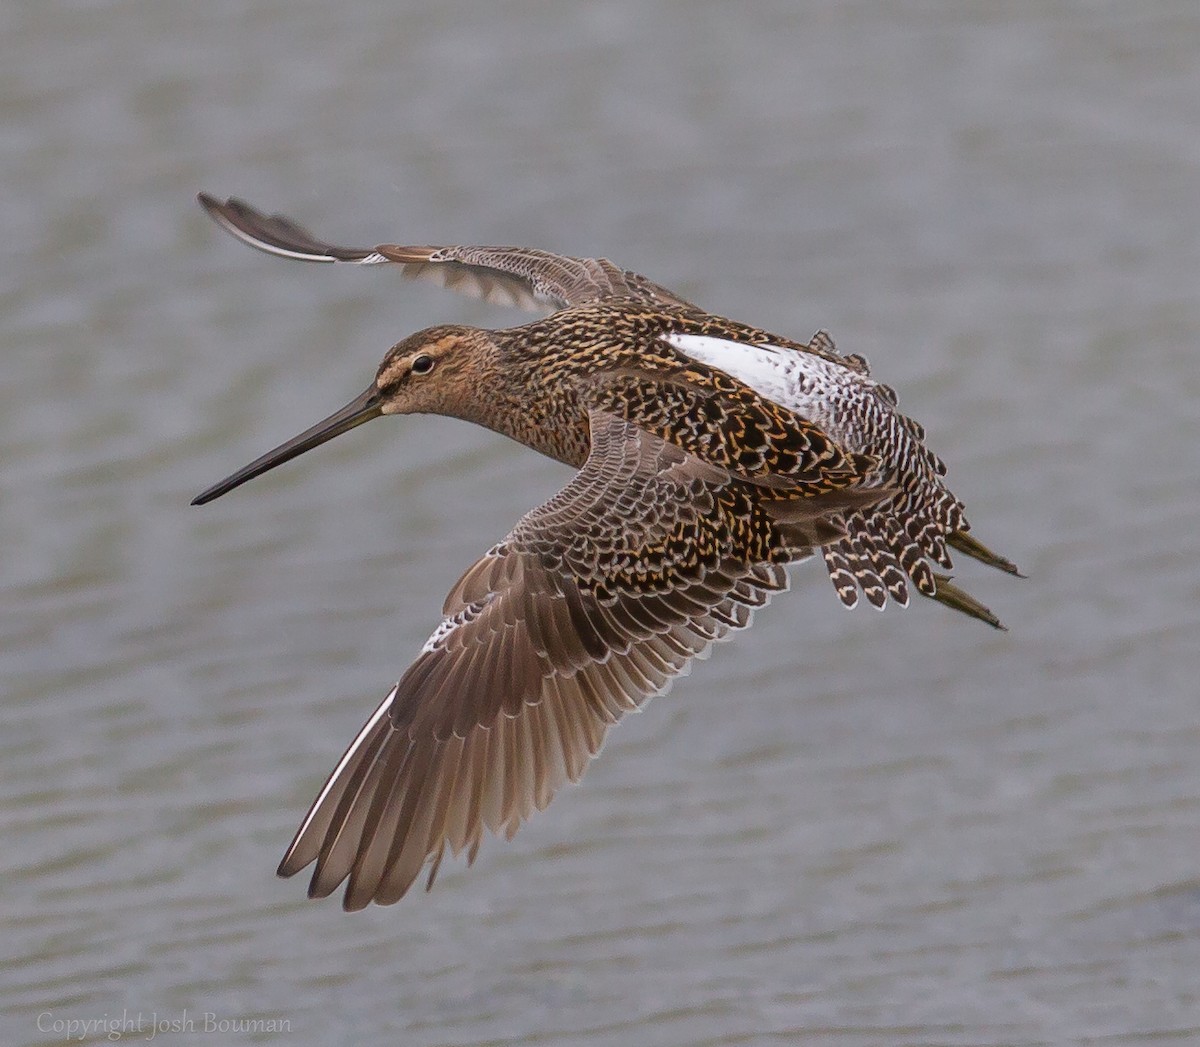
524	392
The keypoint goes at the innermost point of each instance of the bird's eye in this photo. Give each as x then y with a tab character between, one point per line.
422	364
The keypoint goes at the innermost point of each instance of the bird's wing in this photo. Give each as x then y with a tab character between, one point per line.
590	606
517	276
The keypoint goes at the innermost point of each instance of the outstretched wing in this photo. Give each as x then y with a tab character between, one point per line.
517	276
590	606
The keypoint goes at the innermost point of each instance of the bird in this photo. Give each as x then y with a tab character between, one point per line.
710	456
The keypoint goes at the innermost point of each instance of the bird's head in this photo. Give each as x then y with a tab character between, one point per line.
441	370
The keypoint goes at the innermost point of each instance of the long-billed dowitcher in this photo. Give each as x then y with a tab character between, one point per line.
710	456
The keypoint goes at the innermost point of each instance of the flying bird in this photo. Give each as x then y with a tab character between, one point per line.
710	456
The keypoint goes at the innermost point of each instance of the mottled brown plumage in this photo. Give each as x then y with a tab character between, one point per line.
710	455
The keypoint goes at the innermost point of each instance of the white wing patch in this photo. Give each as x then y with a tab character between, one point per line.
802	382
762	367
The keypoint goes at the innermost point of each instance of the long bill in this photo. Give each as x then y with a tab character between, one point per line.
361	409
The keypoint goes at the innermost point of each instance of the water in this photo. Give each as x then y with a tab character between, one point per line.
847	828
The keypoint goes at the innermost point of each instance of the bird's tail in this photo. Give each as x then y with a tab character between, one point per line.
964	542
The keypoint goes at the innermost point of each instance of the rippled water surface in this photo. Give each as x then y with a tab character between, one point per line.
845	829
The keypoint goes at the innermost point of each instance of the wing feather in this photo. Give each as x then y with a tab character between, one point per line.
516	689
518	276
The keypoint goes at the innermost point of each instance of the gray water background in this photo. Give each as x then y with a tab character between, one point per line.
844	829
